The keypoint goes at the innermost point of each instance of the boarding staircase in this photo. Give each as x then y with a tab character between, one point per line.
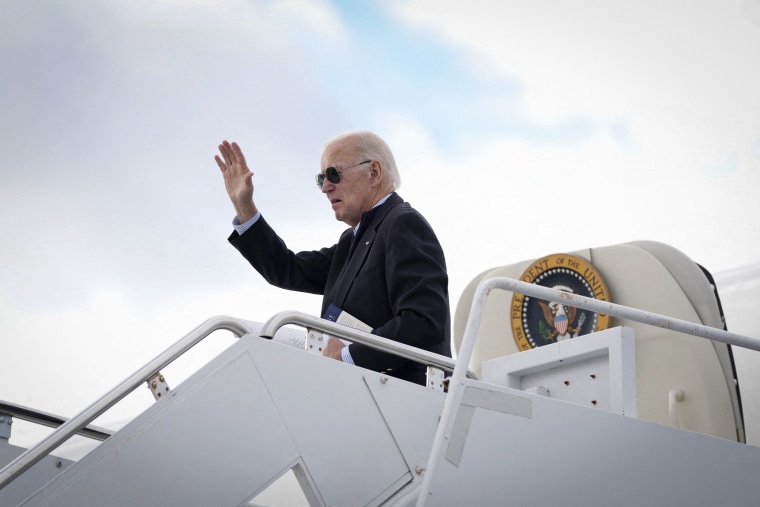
350	437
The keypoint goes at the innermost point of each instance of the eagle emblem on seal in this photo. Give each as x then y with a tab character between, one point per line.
560	319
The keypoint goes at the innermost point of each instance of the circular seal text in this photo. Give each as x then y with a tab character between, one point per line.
536	322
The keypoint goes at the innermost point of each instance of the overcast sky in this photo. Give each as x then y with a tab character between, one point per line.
521	129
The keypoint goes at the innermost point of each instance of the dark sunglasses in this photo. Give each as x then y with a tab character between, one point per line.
333	175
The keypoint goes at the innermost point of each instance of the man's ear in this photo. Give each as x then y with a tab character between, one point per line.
375	172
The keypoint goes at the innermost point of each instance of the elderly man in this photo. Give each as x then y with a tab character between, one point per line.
387	269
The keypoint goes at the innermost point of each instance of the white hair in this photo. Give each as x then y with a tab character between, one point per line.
369	145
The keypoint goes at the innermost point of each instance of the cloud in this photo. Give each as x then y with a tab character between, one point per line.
113	117
110	178
672	74
502	116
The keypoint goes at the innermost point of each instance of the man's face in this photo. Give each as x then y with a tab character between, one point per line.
353	194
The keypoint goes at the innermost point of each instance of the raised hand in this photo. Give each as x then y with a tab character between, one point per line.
238	179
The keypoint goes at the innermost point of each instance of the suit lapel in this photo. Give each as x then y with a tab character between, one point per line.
363	248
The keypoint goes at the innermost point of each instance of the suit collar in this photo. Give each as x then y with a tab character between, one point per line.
367	215
380	210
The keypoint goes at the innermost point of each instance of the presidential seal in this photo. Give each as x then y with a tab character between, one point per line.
536	322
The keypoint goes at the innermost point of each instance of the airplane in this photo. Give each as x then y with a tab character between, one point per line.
605	376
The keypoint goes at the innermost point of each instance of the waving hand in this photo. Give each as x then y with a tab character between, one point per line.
238	179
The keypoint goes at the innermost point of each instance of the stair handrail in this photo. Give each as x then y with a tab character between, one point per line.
278	320
470	335
50	420
74	425
238	327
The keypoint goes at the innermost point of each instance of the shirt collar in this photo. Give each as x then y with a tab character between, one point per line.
381	201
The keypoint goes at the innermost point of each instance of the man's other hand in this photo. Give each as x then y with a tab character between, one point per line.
334	348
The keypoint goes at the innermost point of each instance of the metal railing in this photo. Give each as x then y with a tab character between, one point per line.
271	326
78	423
467	346
50	420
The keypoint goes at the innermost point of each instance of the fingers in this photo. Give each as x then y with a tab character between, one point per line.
226	150
233	157
220	163
237	153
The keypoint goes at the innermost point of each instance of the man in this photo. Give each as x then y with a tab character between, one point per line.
387	269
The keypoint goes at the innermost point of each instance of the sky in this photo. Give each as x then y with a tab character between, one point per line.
520	129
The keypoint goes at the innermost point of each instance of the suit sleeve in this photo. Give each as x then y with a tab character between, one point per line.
281	267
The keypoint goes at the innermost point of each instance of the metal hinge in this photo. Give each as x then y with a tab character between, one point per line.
158	386
436	379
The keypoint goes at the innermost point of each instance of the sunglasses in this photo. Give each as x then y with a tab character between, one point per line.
333	175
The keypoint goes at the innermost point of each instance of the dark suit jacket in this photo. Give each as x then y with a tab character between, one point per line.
394	281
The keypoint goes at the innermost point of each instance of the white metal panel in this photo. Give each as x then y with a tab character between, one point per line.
411	413
559	453
33	479
334	421
596	370
216	440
